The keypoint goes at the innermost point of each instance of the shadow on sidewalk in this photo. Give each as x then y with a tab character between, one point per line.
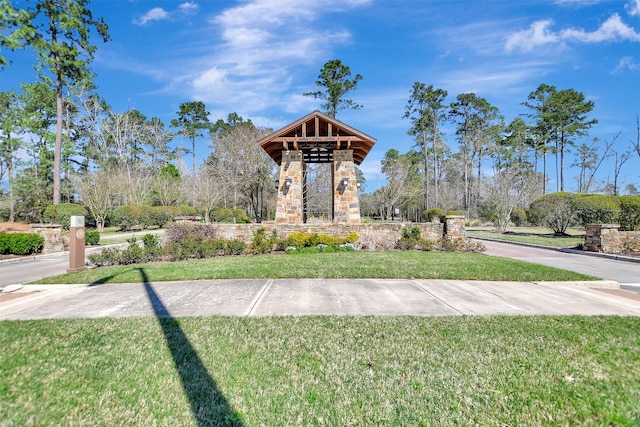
208	405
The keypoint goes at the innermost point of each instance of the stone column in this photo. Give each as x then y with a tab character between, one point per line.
346	203
290	204
454	227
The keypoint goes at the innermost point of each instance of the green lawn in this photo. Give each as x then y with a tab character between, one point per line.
533	235
381	265
331	371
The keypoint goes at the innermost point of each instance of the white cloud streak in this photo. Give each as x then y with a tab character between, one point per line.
626	63
633	8
155	14
540	34
261	40
160	14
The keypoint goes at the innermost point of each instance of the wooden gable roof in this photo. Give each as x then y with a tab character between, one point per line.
317	135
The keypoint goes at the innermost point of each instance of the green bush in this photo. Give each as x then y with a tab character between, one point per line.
297	240
518	217
596	209
126	217
237	216
166	214
629	212
322	239
21	243
453	212
261	243
91	238
62	213
107	257
352	237
431	214
187	211
150	241
557	210
234	247
535	216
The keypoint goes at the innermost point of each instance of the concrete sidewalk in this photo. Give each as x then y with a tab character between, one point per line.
301	297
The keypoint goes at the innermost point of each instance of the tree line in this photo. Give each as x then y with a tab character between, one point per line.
60	141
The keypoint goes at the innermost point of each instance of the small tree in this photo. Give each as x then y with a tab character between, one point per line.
99	193
557	210
334	79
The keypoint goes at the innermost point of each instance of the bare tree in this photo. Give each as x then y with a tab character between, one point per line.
506	190
206	190
100	193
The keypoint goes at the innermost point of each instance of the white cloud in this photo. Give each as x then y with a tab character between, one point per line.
613	29
540	34
261	39
155	14
626	63
160	14
633	8
189	7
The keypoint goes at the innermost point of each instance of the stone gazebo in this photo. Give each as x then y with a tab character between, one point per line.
317	138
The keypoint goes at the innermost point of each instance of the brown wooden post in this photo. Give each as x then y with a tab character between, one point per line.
76	244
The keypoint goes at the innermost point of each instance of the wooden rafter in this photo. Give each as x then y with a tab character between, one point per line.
328	134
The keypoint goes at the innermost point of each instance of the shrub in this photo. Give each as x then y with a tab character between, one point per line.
188	211
230	215
518	217
261	244
454	212
425	244
596	209
106	257
91	238
297	240
322	239
20	243
234	247
432	214
629	212
166	214
557	210
352	237
62	213
535	216
150	241
410	238
126	217
179	232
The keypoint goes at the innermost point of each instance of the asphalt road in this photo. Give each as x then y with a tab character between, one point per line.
626	273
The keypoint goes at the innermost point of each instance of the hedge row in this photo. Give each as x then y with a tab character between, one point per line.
20	243
128	217
560	210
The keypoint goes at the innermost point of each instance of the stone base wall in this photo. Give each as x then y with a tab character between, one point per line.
452	228
52	234
609	239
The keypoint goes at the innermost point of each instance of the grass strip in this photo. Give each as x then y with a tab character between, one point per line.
321	371
535	238
352	265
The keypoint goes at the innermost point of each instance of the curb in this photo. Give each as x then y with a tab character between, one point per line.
566	250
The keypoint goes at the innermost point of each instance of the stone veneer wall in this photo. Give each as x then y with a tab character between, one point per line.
346	203
52	234
290	203
391	231
609	239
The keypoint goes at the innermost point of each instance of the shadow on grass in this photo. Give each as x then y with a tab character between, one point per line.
105	279
208	405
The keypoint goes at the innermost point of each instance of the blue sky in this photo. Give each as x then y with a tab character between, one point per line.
256	58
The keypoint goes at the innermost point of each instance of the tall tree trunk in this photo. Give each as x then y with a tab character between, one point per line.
57	151
435	168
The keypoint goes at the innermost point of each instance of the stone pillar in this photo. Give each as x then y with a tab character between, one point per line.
52	234
454	227
290	204
346	203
